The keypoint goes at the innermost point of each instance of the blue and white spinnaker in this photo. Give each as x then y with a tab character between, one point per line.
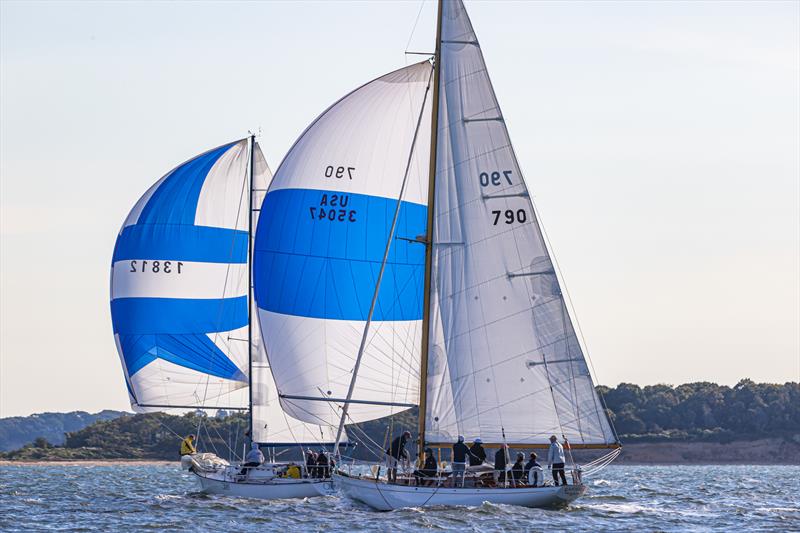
319	246
179	283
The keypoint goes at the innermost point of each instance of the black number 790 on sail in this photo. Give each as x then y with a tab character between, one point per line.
338	172
510	216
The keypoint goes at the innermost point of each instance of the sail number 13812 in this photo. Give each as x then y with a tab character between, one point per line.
164	267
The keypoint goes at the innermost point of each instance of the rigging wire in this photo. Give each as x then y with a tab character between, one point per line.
383	263
414	28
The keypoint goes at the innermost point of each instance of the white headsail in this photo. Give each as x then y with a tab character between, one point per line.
504	363
319	247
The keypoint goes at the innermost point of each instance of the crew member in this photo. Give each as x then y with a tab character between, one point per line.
322	465
396	452
500	464
533	471
187	446
555	460
460	452
311	463
253	459
429	469
477	455
518	469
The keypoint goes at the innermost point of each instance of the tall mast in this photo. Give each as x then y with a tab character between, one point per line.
426	310
250	279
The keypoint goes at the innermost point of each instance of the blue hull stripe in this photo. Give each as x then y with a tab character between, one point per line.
318	255
175	200
181	243
172	316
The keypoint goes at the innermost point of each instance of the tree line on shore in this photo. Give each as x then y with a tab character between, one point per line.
693	411
704	410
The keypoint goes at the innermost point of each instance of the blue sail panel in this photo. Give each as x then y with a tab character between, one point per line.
181	243
318	254
175	201
196	352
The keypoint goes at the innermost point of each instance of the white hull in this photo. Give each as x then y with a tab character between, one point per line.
274	489
386	497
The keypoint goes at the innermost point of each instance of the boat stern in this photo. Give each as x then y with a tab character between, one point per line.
570	493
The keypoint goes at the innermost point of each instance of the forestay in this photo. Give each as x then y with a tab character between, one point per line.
319	247
503	356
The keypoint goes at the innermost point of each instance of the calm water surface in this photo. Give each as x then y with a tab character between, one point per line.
641	498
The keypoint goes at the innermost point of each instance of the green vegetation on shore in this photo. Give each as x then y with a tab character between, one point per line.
660	413
704	411
16	431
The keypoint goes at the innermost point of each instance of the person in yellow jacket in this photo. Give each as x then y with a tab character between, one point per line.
293	471
187	446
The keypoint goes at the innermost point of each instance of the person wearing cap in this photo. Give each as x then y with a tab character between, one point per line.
460	452
429	469
556	460
396	452
477	455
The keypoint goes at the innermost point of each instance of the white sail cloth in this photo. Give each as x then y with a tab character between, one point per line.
504	361
270	424
319	247
179	295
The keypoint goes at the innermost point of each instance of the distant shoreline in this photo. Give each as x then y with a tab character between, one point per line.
91	462
767	451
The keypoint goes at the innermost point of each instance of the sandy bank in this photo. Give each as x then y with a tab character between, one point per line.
92	462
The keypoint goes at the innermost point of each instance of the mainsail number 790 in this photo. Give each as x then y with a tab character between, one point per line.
510	216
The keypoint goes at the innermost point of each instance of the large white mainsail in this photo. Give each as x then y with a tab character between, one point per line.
179	291
504	363
319	247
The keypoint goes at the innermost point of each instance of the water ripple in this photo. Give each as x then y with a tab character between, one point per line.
152	497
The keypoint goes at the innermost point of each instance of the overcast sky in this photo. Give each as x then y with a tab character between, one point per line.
660	140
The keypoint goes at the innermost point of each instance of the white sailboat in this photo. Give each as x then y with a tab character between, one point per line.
402	264
181	312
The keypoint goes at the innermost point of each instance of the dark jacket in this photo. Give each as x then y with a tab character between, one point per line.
322	465
429	468
460	452
531	464
477	455
398	448
311	465
500	459
518	470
